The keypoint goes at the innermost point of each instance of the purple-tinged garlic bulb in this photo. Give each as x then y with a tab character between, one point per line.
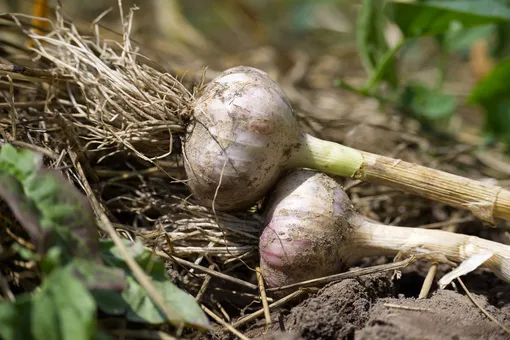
312	230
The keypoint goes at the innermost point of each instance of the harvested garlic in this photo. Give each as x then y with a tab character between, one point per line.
244	136
313	230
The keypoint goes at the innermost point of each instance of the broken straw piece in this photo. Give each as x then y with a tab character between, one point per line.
466	267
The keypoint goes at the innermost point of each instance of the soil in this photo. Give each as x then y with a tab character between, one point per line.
445	315
379	307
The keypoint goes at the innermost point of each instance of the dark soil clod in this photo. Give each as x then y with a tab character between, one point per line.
339	309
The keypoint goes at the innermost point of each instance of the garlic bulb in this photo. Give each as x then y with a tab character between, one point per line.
244	129
244	136
312	230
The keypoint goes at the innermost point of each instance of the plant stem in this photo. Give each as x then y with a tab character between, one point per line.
365	93
371	239
443	67
381	66
485	201
327	157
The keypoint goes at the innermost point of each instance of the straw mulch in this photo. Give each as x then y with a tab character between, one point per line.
99	112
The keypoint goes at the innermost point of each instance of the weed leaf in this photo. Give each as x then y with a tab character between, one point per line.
427	104
48	206
139	306
417	19
62	309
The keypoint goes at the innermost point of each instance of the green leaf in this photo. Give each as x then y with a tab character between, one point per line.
493	86
385	66
372	44
110	302
427	104
66	210
145	259
62	309
143	309
417	19
48	206
493	94
24	252
140	307
15	318
19	162
497	122
25	211
370	33
96	276
459	38
502	40
104	283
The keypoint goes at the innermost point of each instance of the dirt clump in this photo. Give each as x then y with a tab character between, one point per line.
446	315
339	309
376	307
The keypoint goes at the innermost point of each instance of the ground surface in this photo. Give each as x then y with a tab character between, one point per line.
375	308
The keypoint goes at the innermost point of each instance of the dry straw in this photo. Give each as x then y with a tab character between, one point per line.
99	105
118	101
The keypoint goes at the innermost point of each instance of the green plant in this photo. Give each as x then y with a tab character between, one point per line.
80	273
455	26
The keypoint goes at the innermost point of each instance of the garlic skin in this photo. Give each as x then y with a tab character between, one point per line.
243	130
308	220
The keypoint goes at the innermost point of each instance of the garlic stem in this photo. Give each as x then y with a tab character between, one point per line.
327	157
485	201
374	239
